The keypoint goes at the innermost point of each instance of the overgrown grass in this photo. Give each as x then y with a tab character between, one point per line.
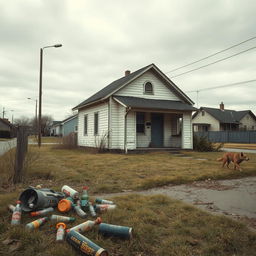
161	226
105	173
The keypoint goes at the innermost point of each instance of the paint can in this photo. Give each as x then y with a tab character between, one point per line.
68	191
84	245
60	231
115	230
59	218
86	226
42	212
102	201
104	207
35	199
36	223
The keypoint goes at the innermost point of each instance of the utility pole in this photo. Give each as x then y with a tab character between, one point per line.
3	112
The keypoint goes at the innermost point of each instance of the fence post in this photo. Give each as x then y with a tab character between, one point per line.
21	150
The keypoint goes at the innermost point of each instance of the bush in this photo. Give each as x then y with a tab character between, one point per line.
202	144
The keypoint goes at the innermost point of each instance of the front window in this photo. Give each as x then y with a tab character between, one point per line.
96	123
140	122
85	124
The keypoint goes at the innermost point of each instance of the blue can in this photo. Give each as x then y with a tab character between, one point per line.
115	230
84	245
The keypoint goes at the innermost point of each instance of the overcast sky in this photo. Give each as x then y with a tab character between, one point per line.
102	39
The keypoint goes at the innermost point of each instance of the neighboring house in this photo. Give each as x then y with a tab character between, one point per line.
221	119
69	125
56	128
140	110
7	130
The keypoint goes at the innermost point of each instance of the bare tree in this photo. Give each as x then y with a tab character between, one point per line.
22	121
45	124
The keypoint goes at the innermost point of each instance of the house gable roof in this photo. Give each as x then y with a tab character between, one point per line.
227	115
121	82
6	122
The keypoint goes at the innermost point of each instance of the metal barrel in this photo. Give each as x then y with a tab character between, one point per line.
36	223
59	218
70	192
33	199
115	230
84	245
103	201
42	212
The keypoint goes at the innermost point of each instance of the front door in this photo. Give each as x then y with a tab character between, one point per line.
157	130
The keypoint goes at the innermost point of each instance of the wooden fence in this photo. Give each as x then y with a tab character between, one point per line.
229	136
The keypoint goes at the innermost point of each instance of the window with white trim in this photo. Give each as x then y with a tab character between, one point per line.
148	88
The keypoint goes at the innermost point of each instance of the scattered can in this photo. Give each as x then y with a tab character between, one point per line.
86	226
16	215
92	210
65	205
115	230
11	207
36	223
60	231
84	245
59	218
103	201
79	210
101	208
70	192
42	212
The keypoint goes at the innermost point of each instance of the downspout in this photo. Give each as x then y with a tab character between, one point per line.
125	129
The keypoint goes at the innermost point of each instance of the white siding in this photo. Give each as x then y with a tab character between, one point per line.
187	137
207	119
131	130
249	122
136	88
91	140
117	125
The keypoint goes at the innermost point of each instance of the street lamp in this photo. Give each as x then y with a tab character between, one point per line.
35	112
40	91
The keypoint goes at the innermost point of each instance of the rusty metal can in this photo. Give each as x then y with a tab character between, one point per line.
115	230
84	245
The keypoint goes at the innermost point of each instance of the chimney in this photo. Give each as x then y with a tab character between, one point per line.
222	106
127	72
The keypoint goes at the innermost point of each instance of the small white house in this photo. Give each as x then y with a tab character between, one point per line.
143	109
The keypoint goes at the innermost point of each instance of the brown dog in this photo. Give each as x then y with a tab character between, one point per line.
236	158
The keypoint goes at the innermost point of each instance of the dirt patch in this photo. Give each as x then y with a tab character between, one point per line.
212	184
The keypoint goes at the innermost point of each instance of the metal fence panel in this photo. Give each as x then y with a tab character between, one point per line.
229	136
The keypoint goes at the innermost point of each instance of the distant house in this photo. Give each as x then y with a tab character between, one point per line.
221	119
56	128
142	109
7	130
69	125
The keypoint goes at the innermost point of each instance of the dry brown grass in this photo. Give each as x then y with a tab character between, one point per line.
116	172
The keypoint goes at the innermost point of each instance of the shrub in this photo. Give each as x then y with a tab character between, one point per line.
202	144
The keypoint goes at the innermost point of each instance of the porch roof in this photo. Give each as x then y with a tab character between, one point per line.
135	102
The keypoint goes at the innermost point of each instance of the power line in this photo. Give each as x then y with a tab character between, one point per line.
211	55
225	85
191	70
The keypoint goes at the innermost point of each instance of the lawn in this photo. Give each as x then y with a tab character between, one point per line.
162	226
106	173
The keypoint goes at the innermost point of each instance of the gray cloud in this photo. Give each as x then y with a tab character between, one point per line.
101	39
